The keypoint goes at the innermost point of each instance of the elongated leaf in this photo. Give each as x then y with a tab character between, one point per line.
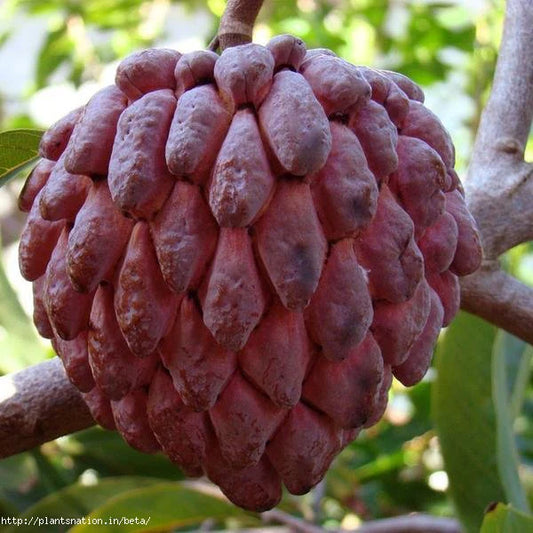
14	172
18	151
73	503
507	348
158	508
465	418
520	378
107	452
505	519
19	343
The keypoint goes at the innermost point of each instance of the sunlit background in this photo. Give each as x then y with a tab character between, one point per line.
54	55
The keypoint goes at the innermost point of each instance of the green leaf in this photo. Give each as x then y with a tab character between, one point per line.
18	340
19	149
160	507
75	501
504	519
465	418
505	348
519	372
106	452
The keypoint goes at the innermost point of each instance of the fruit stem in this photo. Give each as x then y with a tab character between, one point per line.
237	23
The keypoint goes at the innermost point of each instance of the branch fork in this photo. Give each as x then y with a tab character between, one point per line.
499	185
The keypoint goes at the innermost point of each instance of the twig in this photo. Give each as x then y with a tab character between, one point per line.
296	524
38	405
499	187
414	523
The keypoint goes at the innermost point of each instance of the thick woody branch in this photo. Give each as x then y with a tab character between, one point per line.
499	187
38	405
509	305
504	209
506	119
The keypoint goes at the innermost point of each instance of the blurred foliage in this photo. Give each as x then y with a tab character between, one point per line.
426	40
482	400
474	418
84	506
18	337
367	30
84	35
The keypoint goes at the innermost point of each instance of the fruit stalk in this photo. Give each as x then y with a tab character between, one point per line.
236	24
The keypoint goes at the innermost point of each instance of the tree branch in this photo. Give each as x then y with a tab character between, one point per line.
499	186
506	119
413	523
38	405
509	305
503	210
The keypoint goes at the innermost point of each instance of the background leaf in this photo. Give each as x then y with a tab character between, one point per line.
509	349
107	452
22	344
165	506
465	417
75	501
505	519
18	150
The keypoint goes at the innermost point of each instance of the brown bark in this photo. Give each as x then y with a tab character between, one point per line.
237	23
509	305
37	405
499	186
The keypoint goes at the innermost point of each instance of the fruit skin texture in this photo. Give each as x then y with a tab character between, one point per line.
233	255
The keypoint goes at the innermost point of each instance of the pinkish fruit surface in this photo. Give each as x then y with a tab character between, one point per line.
234	254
